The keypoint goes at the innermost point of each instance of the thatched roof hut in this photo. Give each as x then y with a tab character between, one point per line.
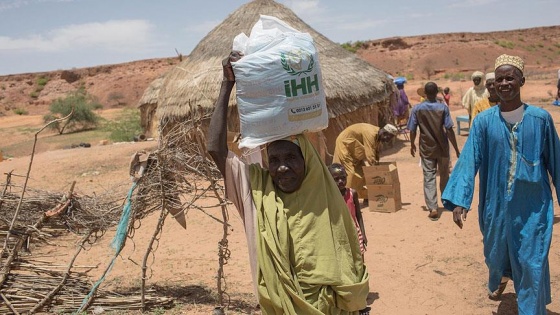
148	105
355	90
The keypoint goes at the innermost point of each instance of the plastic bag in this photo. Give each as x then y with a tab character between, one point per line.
278	83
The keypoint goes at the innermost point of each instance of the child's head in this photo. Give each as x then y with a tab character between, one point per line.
446	90
339	175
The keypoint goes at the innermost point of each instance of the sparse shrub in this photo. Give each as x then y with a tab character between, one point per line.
504	44
83	117
352	46
34	94
116	98
42	81
454	76
20	111
125	127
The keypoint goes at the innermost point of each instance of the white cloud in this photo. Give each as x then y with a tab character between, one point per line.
119	35
7	5
308	10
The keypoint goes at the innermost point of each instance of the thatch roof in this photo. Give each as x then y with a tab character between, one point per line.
151	93
350	82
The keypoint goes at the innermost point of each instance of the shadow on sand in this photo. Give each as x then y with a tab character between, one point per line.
371	297
196	294
508	306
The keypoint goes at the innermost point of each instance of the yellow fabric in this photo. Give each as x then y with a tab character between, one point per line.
354	145
481	105
473	95
308	254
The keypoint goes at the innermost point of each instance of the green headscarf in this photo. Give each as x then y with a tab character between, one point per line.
308	255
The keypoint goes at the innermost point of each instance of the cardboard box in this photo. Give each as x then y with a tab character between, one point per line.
384	198
385	173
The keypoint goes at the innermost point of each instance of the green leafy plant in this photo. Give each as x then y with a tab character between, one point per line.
83	117
125	127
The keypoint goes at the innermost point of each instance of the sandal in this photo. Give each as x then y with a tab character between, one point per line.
434	215
496	295
365	311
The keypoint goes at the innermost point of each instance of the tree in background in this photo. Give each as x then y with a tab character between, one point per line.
84	116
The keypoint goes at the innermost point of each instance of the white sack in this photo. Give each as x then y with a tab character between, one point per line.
278	83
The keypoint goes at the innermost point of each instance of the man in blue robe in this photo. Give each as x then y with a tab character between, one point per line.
514	147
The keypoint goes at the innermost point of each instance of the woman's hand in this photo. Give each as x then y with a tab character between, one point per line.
226	64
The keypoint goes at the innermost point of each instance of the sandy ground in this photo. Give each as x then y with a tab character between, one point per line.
417	266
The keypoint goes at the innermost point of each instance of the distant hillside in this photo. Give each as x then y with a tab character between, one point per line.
117	85
457	55
454	56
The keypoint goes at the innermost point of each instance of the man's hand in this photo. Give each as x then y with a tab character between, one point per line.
458	153
226	64
413	149
459	215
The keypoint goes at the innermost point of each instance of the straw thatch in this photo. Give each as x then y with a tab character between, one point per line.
355	90
148	105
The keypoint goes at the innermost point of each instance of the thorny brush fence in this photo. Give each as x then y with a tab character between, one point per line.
178	175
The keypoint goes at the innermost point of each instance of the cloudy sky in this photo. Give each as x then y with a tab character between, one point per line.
47	35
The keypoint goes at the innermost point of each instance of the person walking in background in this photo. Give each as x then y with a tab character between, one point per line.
475	93
489	101
514	148
436	127
303	248
357	146
351	198
401	110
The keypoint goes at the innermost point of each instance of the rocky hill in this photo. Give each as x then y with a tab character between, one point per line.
457	55
119	85
452	56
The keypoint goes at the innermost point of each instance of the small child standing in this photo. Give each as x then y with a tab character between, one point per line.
447	96
351	198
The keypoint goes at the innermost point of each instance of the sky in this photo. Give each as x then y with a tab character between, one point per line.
49	35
